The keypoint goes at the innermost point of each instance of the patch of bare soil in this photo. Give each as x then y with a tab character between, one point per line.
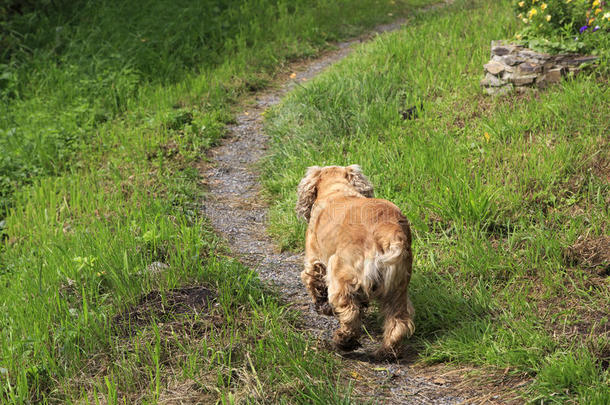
185	317
601	166
164	307
591	253
567	319
237	211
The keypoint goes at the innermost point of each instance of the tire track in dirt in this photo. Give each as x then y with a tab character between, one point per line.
236	211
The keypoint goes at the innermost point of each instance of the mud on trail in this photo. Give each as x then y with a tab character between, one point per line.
237	212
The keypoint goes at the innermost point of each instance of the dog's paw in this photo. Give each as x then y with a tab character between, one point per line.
324	308
345	342
348	345
386	353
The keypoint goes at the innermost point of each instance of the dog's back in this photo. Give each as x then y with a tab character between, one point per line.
371	224
360	247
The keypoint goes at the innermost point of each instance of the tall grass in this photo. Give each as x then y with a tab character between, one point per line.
70	67
496	189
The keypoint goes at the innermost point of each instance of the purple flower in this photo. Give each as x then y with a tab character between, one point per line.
596	28
583	28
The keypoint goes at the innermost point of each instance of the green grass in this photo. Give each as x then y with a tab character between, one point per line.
69	68
106	110
496	190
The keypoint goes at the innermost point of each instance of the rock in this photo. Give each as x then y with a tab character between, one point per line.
541	59
529	67
541	83
554	75
499	91
494	67
580	60
523	89
491	81
511	60
500	50
507	76
507	60
522	80
529	54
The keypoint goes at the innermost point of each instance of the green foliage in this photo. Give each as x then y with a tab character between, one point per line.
573	374
564	25
68	68
495	188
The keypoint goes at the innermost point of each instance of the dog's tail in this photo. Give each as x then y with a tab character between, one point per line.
386	269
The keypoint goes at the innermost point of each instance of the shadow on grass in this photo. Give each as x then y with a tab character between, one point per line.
441	308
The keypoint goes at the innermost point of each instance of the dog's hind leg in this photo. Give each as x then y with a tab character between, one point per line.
314	278
398	322
342	294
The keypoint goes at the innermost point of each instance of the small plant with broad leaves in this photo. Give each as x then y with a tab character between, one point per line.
565	25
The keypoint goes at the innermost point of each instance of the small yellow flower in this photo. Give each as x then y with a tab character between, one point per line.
518	36
568	1
607	16
599	10
487	136
521	3
532	12
595	3
525	20
548	17
543	6
591	20
520	15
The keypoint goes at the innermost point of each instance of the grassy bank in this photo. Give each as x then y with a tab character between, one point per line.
508	197
69	68
106	110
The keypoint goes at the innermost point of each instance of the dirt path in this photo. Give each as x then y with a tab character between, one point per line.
237	212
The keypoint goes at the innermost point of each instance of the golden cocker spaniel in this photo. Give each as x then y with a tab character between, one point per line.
357	248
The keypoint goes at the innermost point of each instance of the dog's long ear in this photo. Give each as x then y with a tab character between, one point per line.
307	192
359	181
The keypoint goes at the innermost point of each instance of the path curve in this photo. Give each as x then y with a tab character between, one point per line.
236	211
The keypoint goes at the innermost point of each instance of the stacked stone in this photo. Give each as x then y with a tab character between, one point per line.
513	67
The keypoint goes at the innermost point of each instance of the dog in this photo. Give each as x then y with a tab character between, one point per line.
357	248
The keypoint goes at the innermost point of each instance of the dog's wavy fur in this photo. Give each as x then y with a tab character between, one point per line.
357	248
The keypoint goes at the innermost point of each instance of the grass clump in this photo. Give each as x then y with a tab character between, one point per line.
500	193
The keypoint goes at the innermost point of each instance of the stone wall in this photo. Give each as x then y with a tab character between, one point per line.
515	68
